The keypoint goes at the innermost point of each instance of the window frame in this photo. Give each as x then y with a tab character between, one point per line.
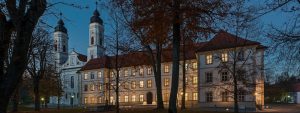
224	56
149	83
166	82
141	84
208	59
209	96
207	80
166	68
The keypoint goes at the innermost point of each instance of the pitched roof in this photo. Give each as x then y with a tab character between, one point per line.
81	57
97	63
137	58
223	40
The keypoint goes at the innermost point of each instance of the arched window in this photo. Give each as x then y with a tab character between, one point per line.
64	48
100	41
72	81
55	47
92	40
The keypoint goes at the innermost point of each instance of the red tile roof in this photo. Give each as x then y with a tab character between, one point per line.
223	40
136	58
296	87
82	57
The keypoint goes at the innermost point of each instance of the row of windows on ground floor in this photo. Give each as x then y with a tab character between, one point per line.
134	98
209	96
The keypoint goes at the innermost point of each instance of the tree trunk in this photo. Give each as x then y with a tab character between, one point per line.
15	101
37	104
175	57
58	92
117	78
160	104
235	92
183	77
16	98
23	22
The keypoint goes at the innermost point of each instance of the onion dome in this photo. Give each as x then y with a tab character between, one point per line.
96	18
60	26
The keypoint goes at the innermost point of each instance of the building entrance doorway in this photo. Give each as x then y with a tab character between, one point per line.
149	98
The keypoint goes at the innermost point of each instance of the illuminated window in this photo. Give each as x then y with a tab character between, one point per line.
224	96
166	68
186	81
149	70
209	59
99	100
166	82
209	97
224	76
120	72
99	75
141	98
141	72
141	84
195	80
209	77
111	99
224	57
133	85
195	65
125	73
133	98
133	72
195	96
126	98
149	83
186	66
186	96
166	97
99	87
85	76
85	100
92	87
112	74
93	100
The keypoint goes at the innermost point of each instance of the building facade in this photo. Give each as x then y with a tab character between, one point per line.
90	80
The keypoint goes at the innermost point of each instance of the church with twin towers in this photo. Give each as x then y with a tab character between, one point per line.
89	80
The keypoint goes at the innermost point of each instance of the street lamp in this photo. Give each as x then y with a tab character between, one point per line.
43	100
72	100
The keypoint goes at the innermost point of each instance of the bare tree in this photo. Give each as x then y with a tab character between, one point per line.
39	52
23	17
285	39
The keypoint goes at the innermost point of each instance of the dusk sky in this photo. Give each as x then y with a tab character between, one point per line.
77	21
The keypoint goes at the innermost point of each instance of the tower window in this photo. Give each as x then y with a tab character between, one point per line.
55	47
64	48
92	40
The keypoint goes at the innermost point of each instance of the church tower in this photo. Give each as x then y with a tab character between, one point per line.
60	43
96	36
